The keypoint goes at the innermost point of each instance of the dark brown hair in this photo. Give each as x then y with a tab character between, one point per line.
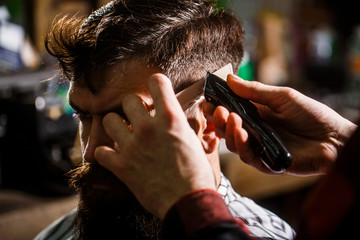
185	38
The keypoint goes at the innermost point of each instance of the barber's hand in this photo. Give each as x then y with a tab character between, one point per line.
160	159
311	131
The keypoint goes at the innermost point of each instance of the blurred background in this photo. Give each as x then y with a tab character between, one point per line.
310	45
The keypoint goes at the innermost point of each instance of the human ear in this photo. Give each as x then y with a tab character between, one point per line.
210	141
204	130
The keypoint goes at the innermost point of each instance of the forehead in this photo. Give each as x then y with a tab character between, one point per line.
117	82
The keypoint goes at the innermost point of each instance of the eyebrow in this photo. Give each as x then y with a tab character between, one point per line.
116	109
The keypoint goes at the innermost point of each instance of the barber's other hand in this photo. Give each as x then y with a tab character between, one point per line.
160	159
312	132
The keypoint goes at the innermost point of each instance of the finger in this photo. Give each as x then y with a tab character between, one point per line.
220	118
233	125
242	143
208	109
255	91
116	128
246	152
163	94
134	109
241	138
108	158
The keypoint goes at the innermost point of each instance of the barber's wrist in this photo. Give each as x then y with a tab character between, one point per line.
346	131
197	210
349	130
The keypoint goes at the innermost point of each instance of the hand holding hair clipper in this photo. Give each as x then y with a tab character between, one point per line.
263	138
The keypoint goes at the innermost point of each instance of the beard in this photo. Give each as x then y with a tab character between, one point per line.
107	209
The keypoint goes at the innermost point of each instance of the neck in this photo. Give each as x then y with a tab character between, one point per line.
214	161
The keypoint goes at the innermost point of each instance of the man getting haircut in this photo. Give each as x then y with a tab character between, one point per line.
113	53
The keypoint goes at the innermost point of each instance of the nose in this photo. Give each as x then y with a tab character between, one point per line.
93	136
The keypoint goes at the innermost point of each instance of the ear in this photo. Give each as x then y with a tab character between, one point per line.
210	141
205	131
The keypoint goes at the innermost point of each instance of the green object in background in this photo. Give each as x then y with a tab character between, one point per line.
246	69
61	92
221	4
15	8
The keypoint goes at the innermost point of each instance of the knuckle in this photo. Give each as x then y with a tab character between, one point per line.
289	92
256	84
169	117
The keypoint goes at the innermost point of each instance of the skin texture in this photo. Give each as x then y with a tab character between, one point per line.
154	147
312	132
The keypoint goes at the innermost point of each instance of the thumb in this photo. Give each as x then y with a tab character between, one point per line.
256	91
108	158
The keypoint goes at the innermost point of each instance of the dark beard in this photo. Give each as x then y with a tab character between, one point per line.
109	213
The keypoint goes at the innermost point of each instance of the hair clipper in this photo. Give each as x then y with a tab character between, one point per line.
262	137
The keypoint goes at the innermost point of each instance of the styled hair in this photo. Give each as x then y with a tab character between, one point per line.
185	38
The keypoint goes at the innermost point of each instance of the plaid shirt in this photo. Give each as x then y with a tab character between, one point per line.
260	222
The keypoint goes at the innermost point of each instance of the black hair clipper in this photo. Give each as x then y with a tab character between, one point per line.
262	137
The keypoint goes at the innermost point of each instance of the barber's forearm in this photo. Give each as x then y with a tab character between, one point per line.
203	214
